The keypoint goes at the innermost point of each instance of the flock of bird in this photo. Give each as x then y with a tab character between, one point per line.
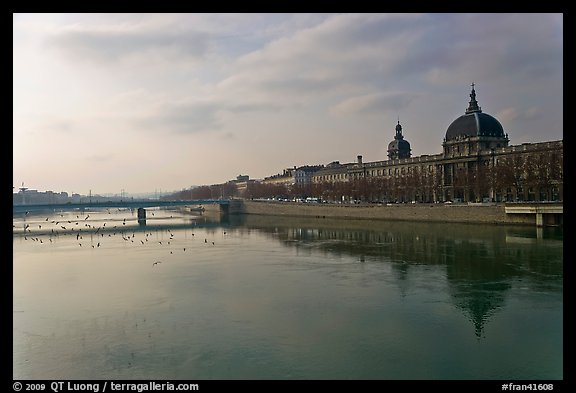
50	230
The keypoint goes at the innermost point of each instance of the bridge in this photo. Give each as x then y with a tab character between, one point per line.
547	213
131	204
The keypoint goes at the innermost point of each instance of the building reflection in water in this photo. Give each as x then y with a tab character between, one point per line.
481	263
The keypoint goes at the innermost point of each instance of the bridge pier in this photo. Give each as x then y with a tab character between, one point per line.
141	216
539	219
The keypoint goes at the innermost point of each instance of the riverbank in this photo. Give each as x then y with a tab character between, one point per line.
433	212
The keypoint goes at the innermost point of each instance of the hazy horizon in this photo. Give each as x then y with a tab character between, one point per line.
139	102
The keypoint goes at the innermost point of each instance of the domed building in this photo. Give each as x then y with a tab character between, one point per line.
469	140
476	165
399	147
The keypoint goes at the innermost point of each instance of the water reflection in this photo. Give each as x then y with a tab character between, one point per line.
482	262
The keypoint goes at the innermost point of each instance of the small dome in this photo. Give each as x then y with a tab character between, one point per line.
399	147
399	144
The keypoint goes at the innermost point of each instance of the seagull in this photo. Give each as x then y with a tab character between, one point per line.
157	262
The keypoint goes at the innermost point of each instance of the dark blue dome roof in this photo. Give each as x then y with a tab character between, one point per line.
399	144
475	124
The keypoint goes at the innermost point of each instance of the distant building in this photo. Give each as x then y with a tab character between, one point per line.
242	183
286	178
303	175
28	196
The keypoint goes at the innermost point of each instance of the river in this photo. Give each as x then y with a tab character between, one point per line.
99	295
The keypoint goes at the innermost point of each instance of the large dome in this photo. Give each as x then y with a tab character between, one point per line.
475	123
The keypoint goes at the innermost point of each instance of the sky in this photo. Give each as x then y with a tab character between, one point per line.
162	102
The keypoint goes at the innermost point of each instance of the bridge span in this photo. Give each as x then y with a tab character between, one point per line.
132	204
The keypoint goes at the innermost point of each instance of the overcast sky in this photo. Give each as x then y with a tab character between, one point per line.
146	102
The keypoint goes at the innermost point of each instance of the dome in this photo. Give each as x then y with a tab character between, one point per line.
399	144
399	147
475	123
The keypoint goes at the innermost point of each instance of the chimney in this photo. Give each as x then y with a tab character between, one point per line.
359	159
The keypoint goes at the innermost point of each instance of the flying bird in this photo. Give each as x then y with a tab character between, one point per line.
157	262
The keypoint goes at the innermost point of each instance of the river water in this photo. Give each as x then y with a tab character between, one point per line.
98	295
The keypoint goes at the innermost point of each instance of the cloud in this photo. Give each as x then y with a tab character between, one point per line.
105	44
38	124
480	47
344	53
508	115
182	117
374	103
100	157
511	114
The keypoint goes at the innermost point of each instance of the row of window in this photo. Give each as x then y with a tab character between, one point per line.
374	173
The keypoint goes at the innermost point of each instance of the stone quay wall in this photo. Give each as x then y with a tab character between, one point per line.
434	212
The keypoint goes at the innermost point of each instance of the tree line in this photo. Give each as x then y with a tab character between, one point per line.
530	176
